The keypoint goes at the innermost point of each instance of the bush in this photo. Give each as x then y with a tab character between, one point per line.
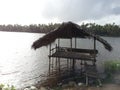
111	67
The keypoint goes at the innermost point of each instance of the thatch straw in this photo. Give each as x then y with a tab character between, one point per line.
67	30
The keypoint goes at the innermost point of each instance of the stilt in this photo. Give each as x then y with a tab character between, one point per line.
94	51
67	65
59	64
81	67
87	80
49	59
49	65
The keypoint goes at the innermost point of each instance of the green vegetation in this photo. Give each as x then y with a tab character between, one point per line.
35	28
7	87
111	67
102	30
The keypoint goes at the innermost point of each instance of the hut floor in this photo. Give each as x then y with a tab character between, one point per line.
73	55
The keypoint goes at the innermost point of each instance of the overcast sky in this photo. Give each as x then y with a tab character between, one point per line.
46	11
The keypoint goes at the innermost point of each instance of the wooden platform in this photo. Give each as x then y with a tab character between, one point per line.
90	51
73	55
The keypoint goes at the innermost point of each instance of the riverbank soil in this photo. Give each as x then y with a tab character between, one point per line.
114	84
104	87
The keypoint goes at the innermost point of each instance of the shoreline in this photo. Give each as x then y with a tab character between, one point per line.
107	86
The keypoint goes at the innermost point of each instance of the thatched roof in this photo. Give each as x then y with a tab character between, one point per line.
67	30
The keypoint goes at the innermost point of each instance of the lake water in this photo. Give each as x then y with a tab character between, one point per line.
21	66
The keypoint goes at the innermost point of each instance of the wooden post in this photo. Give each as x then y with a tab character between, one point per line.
94	43
81	67
70	51
74	59
94	50
67	64
59	64
75	42
71	43
52	67
86	80
73	66
49	59
50	50
58	58
58	42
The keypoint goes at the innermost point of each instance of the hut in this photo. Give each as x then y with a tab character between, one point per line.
70	30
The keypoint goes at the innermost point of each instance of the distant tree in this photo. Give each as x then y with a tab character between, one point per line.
103	30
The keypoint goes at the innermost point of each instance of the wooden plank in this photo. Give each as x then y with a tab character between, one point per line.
90	51
72	55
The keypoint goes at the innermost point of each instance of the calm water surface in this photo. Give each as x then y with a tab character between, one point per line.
21	66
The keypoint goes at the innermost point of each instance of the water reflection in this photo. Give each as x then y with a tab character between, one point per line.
19	64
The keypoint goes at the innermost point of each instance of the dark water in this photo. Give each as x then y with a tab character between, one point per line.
21	66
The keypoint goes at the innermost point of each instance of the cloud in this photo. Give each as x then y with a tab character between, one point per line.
47	11
78	10
116	10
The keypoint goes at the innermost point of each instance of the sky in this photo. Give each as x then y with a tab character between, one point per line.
27	12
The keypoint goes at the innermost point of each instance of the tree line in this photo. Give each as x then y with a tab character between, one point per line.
33	28
102	30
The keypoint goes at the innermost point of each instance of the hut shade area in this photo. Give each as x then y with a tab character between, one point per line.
62	59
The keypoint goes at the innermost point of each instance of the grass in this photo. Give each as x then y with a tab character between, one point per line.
111	67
